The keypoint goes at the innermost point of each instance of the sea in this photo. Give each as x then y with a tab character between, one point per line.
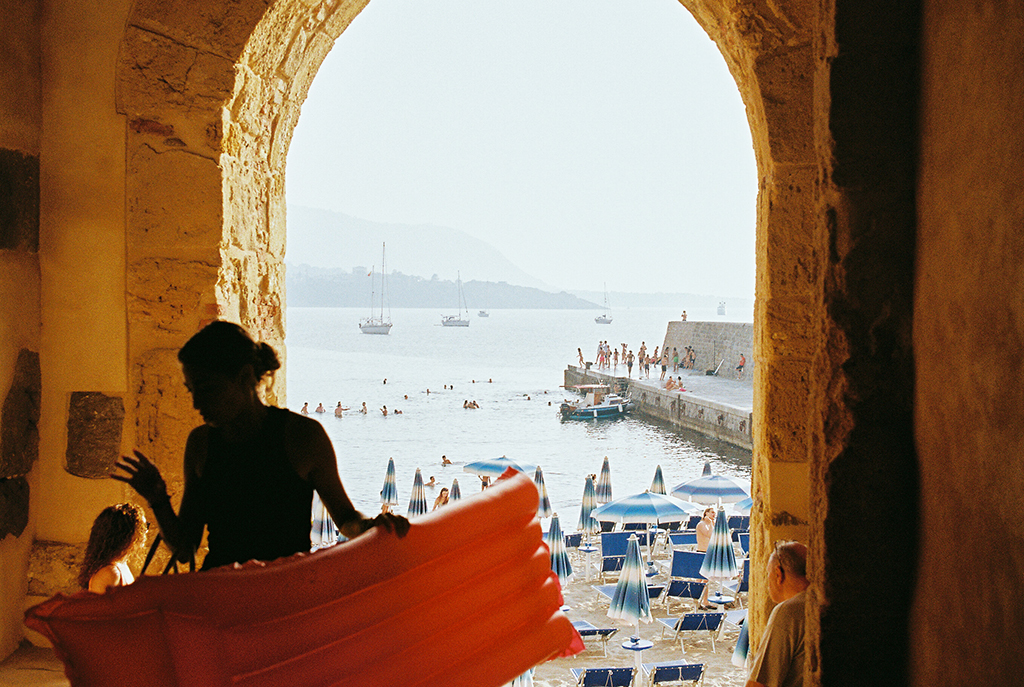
511	363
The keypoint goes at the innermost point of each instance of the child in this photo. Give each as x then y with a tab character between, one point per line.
117	533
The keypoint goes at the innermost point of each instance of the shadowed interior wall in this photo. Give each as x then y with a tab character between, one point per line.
969	346
20	84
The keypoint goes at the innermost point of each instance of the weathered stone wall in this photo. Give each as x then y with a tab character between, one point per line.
20	94
713	343
969	346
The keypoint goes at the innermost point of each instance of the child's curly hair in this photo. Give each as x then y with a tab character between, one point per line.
115	531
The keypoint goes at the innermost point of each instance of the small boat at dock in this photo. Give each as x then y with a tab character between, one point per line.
598	403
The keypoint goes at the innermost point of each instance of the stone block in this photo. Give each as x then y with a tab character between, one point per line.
53	567
168	298
783	416
19	421
14	500
786	80
95	423
19	201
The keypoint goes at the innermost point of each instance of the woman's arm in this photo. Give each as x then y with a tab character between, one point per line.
183	531
312	455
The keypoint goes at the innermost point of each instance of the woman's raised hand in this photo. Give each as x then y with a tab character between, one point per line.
143	476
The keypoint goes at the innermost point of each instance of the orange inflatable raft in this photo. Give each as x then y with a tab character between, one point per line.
466	598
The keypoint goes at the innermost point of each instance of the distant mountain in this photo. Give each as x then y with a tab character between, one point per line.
322	238
318	287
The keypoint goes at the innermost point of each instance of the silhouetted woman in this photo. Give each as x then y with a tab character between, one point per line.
250	469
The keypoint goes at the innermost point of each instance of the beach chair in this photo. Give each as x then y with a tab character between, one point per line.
744	541
587	629
674	672
603	677
683	539
684	589
694	521
743	585
693	622
613	551
671	526
739	523
686	565
607	525
572	541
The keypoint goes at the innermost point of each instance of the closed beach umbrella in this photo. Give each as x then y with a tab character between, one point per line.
559	556
658	485
524	680
720	560
631	601
604	483
587	522
706	472
454	494
324	533
418	502
739	654
495	467
544	505
711	490
389	494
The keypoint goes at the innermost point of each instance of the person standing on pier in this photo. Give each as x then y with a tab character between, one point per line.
664	365
629	365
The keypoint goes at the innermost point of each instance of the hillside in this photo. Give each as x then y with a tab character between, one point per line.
318	287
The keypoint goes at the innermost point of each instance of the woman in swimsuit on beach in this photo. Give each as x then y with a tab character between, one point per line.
250	469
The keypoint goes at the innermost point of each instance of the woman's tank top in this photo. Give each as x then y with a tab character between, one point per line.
256	506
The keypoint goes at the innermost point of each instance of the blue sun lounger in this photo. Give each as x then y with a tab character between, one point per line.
608	590
603	677
693	622
676	672
588	629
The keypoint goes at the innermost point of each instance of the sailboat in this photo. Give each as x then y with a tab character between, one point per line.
377	324
606	318
457	320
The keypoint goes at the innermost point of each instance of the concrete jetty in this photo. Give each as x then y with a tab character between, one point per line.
712	405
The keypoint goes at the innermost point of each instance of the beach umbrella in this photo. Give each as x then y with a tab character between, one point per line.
658	485
720	560
604	483
711	490
743	507
645	508
389	494
454	494
544	505
495	467
418	501
559	556
587	522
324	532
524	680
706	472
631	601
739	654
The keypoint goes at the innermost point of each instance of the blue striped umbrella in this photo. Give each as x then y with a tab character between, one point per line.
711	490
559	556
604	483
631	601
494	467
389	494
454	494
418	502
720	560
544	504
739	654
658	485
646	507
587	522
743	507
324	533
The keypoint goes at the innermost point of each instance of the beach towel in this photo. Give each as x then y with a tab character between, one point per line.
466	598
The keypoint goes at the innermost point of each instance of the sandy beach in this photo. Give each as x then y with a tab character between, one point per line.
585	603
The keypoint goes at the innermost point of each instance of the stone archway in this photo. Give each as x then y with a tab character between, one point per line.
212	93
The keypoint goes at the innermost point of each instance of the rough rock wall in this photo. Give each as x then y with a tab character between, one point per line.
969	346
20	86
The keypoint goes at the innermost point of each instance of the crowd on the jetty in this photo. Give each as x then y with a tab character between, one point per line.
609	358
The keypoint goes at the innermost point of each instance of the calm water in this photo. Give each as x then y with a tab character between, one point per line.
524	353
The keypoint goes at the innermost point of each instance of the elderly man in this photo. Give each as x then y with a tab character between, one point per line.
780	659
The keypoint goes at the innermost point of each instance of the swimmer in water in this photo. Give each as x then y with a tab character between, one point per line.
384	410
305	409
445	461
430	482
363	410
338	409
320	408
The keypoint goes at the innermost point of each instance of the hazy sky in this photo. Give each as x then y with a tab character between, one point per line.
590	141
